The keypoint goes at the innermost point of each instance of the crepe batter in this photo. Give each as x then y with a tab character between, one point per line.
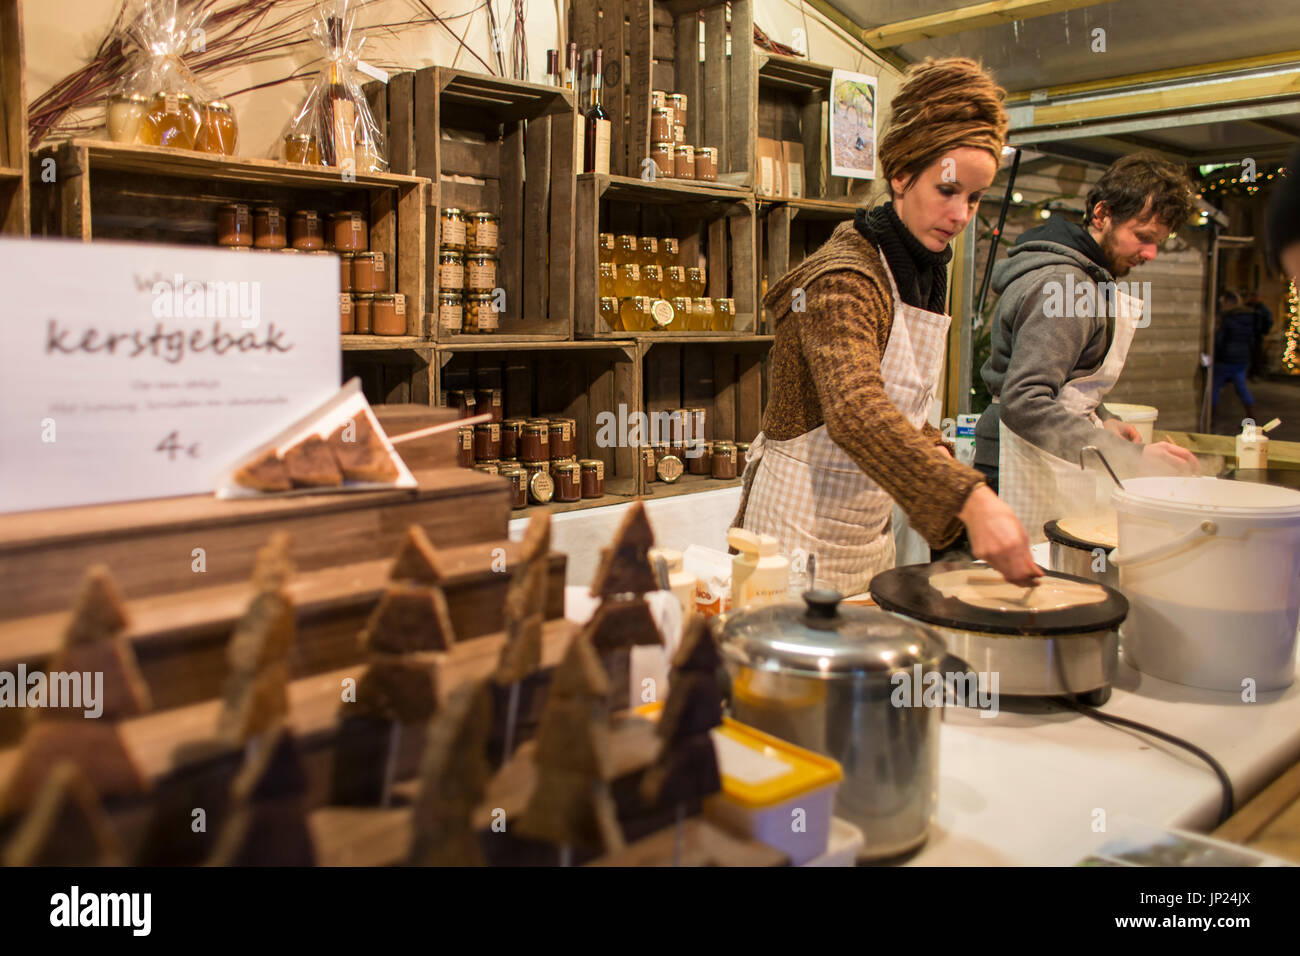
986	588
1102	530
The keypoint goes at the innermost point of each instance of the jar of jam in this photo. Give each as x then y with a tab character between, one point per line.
348	232
347	324
451	312
606	275
218	131
658	99
568	481
451	269
742	455
676	426
488	467
702	315
462	399
625	250
487	442
480	272
724	459
489	400
302	149
661	128
541	487
369	271
699	457
669	469
363	310
706	164
512	430
661	152
534	442
483	232
660	450
592	478
389	316
124	115
480	313
518	479
648	474
563	441
453	233
610	314
683	161
234	225
669	252
678	103
172	119
465	446
270	231
695	422
605	247
306	231
724	315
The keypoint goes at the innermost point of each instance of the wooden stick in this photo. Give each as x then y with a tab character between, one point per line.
444	427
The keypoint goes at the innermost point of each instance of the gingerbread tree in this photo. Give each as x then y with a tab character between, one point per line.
257	696
571	806
86	731
267	824
66	826
453	779
525	613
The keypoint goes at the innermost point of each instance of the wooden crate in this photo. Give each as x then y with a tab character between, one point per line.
15	208
790	231
654	45
521	150
106	190
713	224
391	376
792	98
578	380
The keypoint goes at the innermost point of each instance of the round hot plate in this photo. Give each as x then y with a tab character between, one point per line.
907	590
1052	530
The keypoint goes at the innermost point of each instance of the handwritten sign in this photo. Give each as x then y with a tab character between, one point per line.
138	371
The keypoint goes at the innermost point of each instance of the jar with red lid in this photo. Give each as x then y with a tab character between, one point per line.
512	430
487	442
348	231
593	477
568	481
234	225
465	446
270	231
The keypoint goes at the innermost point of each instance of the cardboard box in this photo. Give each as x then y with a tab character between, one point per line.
792	154
771	159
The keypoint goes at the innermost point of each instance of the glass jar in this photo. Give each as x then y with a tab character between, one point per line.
534	442
568	481
218	131
678	103
695	422
488	467
451	269
483	233
652	281
347	324
679	134
369	271
669	252
742	455
462	399
124	115
699	457
695	281
661	153
706	164
270	231
454	232
518	479
465	446
681	321
647	248
675	282
683	161
489	402
648	474
451	312
724	315
669	469
607	279
302	149
627	280
592	477
480	272
362	312
658	99
487	442
172	119
306	231
481	316
562	438
234	225
661	315
723	462
512	431
660	449
702	315
661	127
345	273
635	312
606	247
626	251
541	487
609	313
348	232
389	316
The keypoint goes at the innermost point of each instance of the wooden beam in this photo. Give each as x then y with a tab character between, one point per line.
1181	98
975	17
1200	71
857	32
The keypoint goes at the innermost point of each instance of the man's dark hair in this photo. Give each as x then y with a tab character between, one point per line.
1228	298
1284	211
1130	181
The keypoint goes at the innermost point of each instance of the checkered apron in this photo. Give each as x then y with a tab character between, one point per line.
1039	487
810	495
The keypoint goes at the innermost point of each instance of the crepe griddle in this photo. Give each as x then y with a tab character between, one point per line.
907	590
1052	530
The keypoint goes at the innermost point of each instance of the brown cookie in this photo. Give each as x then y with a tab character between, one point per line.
267	473
311	464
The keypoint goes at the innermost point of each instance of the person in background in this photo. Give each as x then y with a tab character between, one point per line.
1233	341
1263	323
1061	334
1284	221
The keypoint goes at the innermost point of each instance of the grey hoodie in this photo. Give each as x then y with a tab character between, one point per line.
1035	354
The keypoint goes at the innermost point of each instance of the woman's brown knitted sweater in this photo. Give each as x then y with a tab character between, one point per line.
825	369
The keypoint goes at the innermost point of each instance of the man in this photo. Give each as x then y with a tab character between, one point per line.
1233	342
1061	333
1263	323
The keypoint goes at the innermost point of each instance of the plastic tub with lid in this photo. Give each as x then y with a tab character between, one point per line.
1141	417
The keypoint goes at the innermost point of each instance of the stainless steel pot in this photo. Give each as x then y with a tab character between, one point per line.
1071	555
823	676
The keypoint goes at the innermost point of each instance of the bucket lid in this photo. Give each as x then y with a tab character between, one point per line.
1133	413
1209	497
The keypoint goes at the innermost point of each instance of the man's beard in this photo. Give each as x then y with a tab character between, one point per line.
1118	267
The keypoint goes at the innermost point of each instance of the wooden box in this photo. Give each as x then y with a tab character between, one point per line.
516	141
788	233
714	225
390	376
15	215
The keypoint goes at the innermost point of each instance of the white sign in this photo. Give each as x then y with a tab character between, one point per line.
137	371
853	125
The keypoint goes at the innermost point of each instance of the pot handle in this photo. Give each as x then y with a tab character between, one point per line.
1205	529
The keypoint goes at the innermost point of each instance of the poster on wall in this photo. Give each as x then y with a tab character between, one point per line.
853	125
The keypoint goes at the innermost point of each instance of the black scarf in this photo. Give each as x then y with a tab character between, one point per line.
921	275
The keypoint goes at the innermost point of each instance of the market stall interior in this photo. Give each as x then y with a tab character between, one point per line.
359	590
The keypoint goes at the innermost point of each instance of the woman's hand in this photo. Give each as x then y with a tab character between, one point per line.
1123	429
997	537
1166	458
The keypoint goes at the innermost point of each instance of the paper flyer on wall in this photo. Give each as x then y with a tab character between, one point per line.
853	125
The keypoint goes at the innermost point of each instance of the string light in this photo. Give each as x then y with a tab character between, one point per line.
1292	334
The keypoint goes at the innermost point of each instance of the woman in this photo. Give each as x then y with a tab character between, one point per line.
860	336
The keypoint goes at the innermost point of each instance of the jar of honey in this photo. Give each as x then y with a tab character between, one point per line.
451	312
706	164
609	313
652	281
695	281
683	161
626	251
661	315
389	316
635	313
648	474
124	115
627	280
454	230
518	479
487	442
483	234
607	279
451	269
346	323
172	119
592	478
480	313
669	252
480	272
702	315
306	231
302	149
541	487
270	231
534	442
605	247
724	460
647	251
362	312
568	481
465	446
234	225
681	320
674	284
512	431
218	131
348	232
369	271
724	315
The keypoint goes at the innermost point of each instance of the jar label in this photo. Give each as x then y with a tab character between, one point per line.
495	431
482	275
399	304
449	317
172	103
379	261
485	235
453	232
345	303
466	438
451	275
487	316
662	312
600	470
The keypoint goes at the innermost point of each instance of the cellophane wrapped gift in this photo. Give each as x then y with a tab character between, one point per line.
335	125
160	102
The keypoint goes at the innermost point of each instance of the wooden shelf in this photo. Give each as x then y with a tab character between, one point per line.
792	73
506	100
498	341
632	189
688	485
383	343
702	338
810	208
561	507
10	172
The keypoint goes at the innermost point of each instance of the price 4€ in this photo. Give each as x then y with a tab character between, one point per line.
172	446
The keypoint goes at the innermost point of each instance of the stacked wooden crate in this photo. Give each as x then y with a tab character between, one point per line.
15	215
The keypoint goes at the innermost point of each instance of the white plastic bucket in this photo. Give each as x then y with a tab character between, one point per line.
1141	417
1211	569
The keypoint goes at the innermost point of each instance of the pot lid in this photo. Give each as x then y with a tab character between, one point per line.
819	637
907	590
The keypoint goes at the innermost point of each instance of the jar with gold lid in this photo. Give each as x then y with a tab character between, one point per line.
465	446
389	316
677	102
348	231
562	439
172	119
541	487
674	284
706	164
218	132
451	312
568	480
724	315
518	479
489	402
699	457
487	441
480	272
270	231
306	230
695	421
661	315
606	279
702	315
347	323
534	442
483	232
647	248
609	312
652	281
512	431
480	313
592	477
669	469
658	99
661	127
369	271
234	225
683	161
123	116
488	467
724	460
742	455
302	149
453	231
662	155
462	399
451	269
